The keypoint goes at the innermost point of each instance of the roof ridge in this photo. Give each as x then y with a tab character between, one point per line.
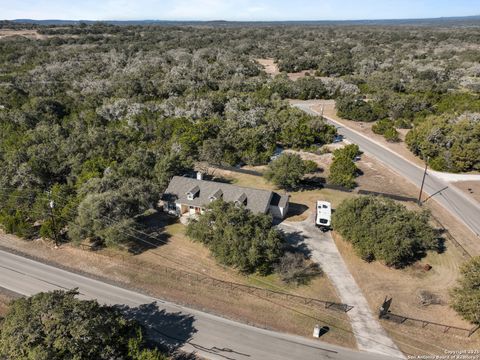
218	182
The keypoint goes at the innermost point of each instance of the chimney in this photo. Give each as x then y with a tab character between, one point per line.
199	175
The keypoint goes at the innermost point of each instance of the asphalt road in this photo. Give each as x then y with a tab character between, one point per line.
458	204
210	336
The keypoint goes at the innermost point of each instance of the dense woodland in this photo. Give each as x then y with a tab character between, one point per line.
99	117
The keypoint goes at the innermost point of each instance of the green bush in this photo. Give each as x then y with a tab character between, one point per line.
466	297
381	126
386	128
343	169
391	135
288	170
383	230
356	109
238	238
350	151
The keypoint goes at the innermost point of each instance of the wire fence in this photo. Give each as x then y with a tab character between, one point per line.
253	290
406	320
450	237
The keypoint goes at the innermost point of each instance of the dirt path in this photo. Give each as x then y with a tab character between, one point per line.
368	332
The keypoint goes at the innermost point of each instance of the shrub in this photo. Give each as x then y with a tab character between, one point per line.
381	126
391	135
381	229
349	151
238	238
385	127
356	109
294	268
343	170
466	296
288	170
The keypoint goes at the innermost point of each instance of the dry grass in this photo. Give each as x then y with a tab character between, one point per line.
378	281
29	34
145	272
269	66
471	188
4	301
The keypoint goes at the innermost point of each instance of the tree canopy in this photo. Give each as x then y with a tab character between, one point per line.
466	296
449	143
343	169
238	238
57	325
380	229
288	170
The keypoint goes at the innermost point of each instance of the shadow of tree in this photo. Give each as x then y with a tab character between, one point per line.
170	331
296	243
151	233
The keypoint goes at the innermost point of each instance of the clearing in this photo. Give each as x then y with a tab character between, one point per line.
271	68
29	34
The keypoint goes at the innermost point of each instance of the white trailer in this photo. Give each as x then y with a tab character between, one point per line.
323	216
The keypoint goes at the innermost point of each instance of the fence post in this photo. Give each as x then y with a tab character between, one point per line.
474	329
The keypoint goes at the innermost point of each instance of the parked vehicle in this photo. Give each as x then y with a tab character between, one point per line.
323	216
338	139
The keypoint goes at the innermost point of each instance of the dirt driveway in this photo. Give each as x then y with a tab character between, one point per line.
368	332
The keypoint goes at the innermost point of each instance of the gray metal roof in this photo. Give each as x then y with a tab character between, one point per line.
258	201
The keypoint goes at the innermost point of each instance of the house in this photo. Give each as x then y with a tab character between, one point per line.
187	195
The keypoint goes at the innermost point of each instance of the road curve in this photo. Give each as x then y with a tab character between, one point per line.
458	204
214	337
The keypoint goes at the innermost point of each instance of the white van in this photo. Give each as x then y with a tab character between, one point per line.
323	216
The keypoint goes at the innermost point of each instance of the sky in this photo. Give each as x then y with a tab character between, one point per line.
235	10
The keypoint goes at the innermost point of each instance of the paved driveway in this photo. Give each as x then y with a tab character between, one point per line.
368	332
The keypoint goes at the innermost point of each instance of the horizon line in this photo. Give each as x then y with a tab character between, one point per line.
240	21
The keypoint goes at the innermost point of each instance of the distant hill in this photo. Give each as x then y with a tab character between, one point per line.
443	21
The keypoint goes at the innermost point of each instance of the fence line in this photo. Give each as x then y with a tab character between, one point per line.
450	237
402	319
253	290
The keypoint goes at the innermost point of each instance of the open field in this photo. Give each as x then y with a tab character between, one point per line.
269	66
404	286
29	34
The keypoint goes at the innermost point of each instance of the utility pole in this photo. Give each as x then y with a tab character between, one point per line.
54	224
423	183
